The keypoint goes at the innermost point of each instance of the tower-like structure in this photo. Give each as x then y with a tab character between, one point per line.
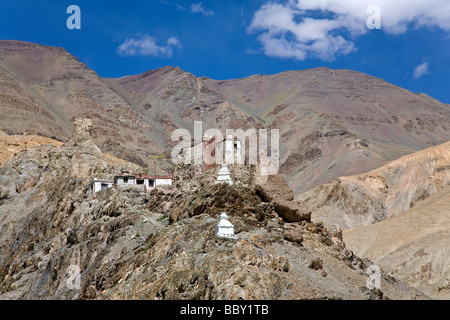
225	228
224	176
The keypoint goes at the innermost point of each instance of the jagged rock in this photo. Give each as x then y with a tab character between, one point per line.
291	211
293	236
87	158
81	131
128	244
275	186
316	264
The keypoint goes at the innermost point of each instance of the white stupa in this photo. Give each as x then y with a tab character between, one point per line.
225	228
224	176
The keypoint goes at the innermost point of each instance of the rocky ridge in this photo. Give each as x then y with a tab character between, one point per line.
332	122
360	200
413	246
130	244
396	215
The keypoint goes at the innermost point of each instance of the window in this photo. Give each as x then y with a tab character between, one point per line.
104	186
125	180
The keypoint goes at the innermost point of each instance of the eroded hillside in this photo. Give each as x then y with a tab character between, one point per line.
332	122
131	244
397	216
414	246
355	201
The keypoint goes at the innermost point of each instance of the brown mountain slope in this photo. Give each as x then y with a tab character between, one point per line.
45	88
12	145
354	201
129	244
338	122
414	246
332	122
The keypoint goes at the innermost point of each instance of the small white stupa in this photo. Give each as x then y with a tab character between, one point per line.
224	176
225	228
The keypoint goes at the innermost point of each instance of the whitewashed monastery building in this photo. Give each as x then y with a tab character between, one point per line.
147	182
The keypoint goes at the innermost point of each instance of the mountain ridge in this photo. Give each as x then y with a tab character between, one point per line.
412	246
331	122
354	201
344	138
397	216
127	243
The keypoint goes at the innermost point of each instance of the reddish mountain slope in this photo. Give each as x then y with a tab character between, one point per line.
332	122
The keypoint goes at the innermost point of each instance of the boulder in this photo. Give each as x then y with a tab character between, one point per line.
294	235
291	211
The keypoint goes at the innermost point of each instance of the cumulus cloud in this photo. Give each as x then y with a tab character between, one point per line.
324	29
200	8
421	70
147	46
173	41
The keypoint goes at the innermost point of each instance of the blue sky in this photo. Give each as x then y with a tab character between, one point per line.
234	39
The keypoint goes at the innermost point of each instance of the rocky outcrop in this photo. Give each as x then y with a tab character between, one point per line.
86	155
82	133
251	193
332	122
274	189
291	211
57	242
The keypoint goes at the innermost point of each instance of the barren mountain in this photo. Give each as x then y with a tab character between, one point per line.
128	244
354	201
332	122
45	88
12	145
410	196
413	246
336	127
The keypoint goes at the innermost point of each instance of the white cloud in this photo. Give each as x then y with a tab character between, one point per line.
421	70
179	7
200	8
173	41
147	46
294	30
